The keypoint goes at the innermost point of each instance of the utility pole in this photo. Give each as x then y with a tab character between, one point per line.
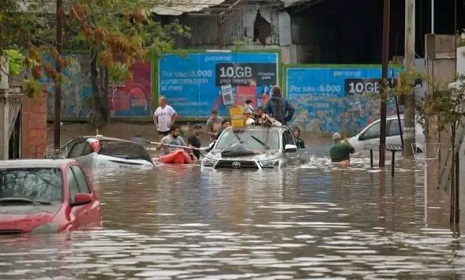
432	16
384	74
409	60
57	105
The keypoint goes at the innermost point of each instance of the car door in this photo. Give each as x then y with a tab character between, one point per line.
290	157
67	147
369	136
81	152
91	210
393	131
78	215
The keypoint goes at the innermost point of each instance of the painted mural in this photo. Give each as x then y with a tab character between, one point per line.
335	99
131	99
76	90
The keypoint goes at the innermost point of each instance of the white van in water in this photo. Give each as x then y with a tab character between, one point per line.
370	134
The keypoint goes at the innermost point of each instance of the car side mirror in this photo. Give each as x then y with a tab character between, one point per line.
360	137
81	199
290	148
210	146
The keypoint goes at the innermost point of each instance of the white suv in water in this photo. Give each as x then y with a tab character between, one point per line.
370	134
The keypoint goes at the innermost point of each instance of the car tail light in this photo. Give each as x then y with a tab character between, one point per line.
95	146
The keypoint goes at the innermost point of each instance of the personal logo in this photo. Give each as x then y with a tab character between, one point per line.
236	164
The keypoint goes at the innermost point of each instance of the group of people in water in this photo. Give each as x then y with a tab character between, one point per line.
277	111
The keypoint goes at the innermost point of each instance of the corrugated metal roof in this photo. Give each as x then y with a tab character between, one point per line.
179	7
290	3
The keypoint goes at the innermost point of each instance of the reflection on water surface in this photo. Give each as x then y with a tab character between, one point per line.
175	222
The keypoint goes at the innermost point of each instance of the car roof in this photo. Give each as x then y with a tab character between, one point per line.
35	163
259	127
104	138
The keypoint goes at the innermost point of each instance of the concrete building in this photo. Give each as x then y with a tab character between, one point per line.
253	24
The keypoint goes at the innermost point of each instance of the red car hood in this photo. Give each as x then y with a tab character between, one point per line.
25	218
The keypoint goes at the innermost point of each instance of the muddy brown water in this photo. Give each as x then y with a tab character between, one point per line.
310	222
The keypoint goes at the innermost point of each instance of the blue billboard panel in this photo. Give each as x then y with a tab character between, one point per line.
196	83
332	99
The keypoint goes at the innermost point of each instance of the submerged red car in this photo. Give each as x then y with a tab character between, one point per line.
46	196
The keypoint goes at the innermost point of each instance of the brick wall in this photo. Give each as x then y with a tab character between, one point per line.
34	127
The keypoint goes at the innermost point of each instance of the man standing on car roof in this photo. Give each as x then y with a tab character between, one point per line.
278	107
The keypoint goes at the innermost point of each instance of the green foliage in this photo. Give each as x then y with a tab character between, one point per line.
121	32
239	44
15	61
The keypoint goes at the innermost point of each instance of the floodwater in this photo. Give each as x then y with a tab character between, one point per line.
311	222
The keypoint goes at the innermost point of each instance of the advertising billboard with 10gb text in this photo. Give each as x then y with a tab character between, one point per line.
336	98
196	83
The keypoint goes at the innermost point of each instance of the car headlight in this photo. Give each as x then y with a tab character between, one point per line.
269	163
46	228
208	162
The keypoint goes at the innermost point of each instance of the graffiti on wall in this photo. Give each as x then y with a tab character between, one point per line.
332	99
130	99
76	90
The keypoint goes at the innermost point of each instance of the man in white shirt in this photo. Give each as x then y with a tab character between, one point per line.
164	117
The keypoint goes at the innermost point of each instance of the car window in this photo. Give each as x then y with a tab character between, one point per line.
287	139
393	127
87	149
125	150
69	145
372	132
37	184
77	150
252	138
81	180
73	186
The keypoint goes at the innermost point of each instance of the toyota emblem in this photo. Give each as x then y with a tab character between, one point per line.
236	164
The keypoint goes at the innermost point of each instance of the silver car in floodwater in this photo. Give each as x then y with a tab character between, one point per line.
256	148
108	152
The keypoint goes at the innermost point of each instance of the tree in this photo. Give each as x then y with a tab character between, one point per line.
26	32
116	34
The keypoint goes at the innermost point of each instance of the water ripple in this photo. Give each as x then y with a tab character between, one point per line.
311	222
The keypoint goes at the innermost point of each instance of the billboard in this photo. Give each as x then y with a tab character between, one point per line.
134	97
336	98
196	83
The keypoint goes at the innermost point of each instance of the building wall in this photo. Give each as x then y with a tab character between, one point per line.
238	27
34	127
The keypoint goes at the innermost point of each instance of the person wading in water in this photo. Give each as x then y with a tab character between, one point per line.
340	151
278	107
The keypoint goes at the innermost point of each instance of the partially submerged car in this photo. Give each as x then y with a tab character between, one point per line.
107	152
371	133
46	196
254	147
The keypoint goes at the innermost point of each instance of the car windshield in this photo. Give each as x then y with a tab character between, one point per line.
34	184
254	139
125	150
